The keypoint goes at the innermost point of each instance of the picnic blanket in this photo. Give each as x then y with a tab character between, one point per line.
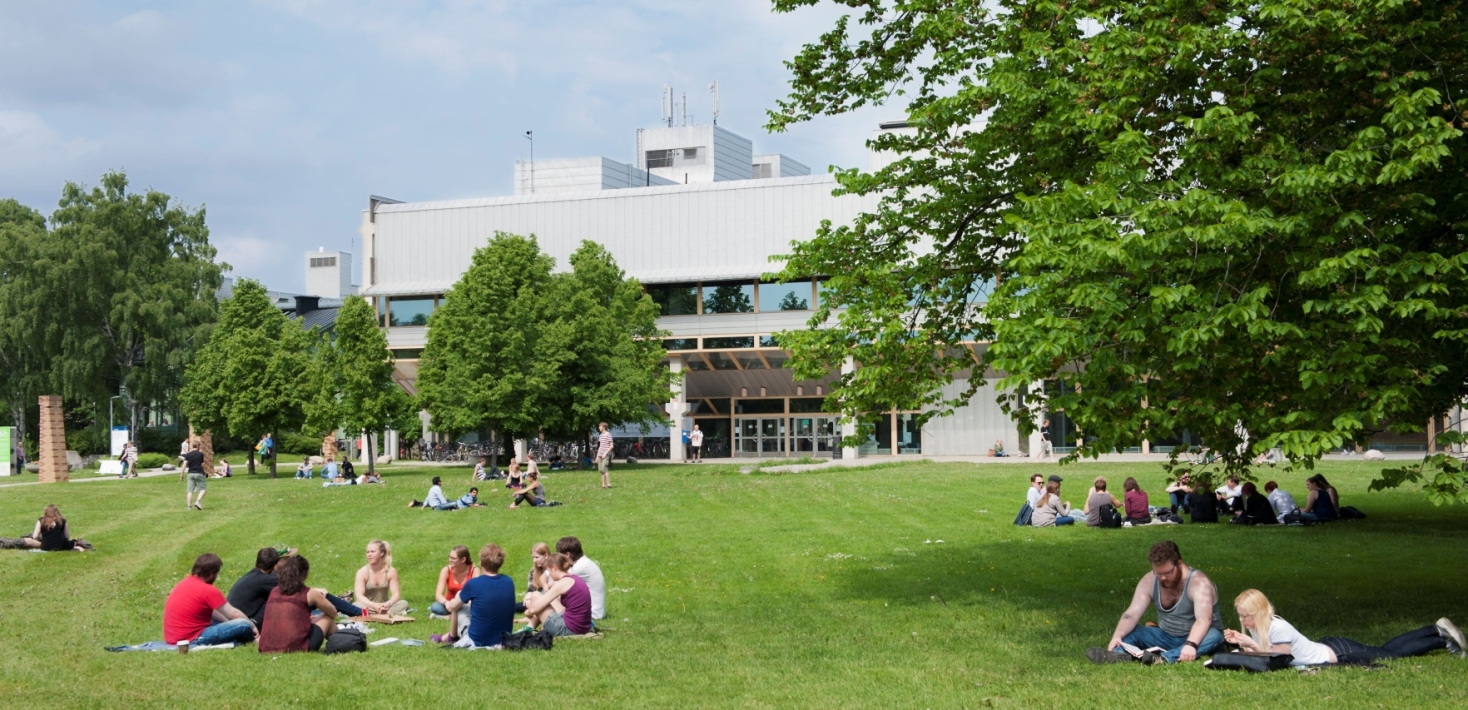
160	646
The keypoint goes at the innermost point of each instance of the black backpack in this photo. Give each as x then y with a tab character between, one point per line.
345	641
1110	518
526	640
1025	514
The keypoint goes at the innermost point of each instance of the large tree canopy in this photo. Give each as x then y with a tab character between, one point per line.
352	380
1228	217
132	281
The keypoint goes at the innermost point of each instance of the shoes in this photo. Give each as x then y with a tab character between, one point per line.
1099	655
438	616
1456	645
1150	658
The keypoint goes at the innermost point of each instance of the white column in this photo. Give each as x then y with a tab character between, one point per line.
848	419
425	419
677	408
392	445
521	446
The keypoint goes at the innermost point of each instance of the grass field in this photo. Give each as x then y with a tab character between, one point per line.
892	586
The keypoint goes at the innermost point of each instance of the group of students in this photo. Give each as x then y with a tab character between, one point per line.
1242	504
525	488
273	605
1189	625
565	593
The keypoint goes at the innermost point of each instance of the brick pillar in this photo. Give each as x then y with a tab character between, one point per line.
52	440
206	446
329	447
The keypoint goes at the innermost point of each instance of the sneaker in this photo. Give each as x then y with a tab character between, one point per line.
1150	658
438	616
1456	645
1099	655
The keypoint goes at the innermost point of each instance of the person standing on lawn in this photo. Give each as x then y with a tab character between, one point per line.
604	454
1188	621
197	612
696	441
193	470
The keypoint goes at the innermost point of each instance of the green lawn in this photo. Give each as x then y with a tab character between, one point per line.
827	589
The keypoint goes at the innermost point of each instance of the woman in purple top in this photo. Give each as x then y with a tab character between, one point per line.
565	608
1136	503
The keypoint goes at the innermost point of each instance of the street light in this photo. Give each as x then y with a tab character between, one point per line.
109	421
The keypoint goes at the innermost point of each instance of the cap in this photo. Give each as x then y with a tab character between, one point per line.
1056	478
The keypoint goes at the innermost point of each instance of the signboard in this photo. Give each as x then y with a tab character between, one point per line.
7	452
119	440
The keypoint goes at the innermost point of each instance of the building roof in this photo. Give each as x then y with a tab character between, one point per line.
323	318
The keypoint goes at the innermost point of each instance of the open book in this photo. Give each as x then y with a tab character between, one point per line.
1137	652
387	619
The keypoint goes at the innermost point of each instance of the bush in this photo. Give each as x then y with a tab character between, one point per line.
87	441
297	443
153	460
160	439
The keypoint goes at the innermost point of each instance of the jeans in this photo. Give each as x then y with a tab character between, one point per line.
304	474
344	607
1145	637
1179	499
1413	643
234	631
1065	520
438	608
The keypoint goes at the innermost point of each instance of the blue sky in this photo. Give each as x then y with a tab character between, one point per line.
282	116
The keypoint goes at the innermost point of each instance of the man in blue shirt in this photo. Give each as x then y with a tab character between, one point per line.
490	597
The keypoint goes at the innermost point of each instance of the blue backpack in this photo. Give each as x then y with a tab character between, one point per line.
1024	515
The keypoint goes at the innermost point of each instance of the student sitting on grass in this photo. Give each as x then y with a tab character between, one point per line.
1321	505
565	608
1097	498
1256	509
1188	622
223	469
289	626
1204	502
539	578
451	579
51	534
1229	494
1280	499
197	612
589	572
1137	511
251	591
1050	512
1178	492
490	597
480	471
369	477
469	500
347	468
532	492
1267	633
514	478
304	470
435	500
377	590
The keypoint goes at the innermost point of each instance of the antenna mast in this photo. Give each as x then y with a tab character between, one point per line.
530	136
685	108
666	106
714	87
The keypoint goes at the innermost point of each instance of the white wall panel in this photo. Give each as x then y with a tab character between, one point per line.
970	430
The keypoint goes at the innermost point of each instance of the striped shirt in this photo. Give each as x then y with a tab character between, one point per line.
604	445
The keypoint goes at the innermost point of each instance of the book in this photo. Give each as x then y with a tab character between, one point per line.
1137	652
387	619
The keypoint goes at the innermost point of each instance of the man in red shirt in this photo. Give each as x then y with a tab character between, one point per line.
197	612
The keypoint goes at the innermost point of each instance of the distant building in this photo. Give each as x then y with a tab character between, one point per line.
329	274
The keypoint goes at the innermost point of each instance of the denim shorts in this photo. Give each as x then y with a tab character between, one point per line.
556	626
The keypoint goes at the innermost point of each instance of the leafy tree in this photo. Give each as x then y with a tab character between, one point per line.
25	303
605	345
254	375
132	280
729	298
479	368
1244	219
353	379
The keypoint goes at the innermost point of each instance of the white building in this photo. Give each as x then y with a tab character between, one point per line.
329	274
697	220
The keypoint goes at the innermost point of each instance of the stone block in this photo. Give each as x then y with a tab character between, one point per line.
52	439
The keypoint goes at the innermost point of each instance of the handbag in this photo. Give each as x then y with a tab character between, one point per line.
345	641
1251	662
526	640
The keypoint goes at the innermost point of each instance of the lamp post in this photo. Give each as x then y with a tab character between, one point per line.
109	421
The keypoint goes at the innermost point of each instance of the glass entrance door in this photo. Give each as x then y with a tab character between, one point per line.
760	436
787	436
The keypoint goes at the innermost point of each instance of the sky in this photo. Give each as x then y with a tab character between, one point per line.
281	117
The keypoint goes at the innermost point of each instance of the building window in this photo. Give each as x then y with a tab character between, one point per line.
675	299
673	157
763	170
794	296
759	406
768	341
321	261
407	354
659	159
746	341
409	311
728	298
680	344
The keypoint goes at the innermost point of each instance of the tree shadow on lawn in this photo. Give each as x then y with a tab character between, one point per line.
1368	580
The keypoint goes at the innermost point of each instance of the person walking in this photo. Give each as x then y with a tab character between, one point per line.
604	454
193	469
696	440
129	460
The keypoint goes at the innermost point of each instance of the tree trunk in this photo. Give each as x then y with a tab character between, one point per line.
371	455
274	451
250	458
